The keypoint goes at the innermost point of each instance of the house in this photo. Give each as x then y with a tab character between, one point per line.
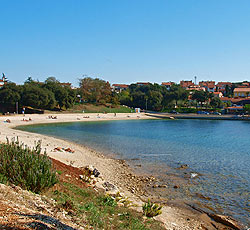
234	109
247	84
241	92
186	84
66	84
221	86
3	80
143	83
167	84
209	85
218	94
119	87
195	88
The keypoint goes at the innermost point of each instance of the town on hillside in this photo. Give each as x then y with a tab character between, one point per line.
185	96
233	95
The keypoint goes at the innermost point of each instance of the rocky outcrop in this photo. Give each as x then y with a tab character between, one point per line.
20	209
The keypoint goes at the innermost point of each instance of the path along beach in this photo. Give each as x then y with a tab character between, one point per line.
113	171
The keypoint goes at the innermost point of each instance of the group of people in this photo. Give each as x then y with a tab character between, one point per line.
52	117
27	119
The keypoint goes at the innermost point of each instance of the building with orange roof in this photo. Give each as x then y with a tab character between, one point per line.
209	85
195	88
143	83
119	87
186	84
3	80
221	86
167	84
241	92
218	94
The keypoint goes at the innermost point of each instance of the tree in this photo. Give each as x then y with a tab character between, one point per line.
247	108
37	97
178	93
199	96
216	102
10	93
65	96
95	90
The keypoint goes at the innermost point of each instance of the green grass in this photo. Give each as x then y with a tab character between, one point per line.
92	108
98	211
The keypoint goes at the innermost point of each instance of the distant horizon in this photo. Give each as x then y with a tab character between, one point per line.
125	41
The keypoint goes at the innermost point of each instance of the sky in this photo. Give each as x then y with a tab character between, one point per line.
125	41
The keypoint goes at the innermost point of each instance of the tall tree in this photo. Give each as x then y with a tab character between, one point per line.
95	90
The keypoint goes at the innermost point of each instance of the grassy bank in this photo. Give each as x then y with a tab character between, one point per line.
92	108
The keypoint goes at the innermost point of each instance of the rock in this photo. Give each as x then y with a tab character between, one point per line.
92	170
176	186
226	220
96	173
202	196
193	175
110	187
163	186
184	166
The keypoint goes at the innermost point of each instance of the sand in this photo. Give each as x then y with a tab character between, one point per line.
112	170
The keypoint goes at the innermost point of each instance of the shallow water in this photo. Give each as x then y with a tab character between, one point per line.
218	150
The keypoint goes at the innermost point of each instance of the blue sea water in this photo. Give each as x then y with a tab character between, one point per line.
218	150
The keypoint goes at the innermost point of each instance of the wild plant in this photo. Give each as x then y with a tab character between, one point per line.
26	167
150	209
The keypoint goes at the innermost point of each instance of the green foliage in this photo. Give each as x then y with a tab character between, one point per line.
216	102
26	167
247	108
150	209
37	97
10	93
200	96
108	201
49	95
94	210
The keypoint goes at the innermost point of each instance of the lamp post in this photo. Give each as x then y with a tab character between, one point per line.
16	107
146	103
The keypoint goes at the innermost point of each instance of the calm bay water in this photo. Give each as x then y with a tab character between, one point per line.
218	150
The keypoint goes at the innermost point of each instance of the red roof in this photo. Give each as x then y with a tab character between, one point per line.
208	84
120	85
235	107
242	89
225	98
168	83
66	84
186	84
222	84
143	83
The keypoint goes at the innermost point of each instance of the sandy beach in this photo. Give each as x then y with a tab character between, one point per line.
113	171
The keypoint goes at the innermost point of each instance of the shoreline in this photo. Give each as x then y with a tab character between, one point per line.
115	171
194	116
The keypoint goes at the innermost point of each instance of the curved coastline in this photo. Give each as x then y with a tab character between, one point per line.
112	170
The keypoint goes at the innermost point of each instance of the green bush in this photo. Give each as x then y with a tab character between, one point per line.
26	167
150	209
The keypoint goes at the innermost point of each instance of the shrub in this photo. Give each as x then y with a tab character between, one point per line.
150	209
26	167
